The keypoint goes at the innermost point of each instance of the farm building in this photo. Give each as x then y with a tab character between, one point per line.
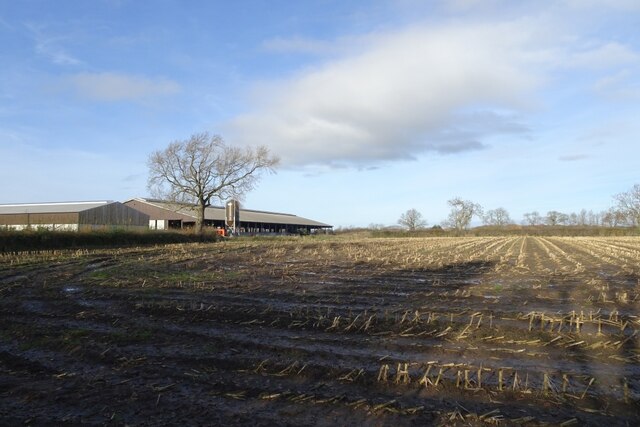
165	215
76	216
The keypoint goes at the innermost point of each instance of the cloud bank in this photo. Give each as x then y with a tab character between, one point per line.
407	92
445	88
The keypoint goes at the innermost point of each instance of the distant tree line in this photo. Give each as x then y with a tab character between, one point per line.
611	217
624	213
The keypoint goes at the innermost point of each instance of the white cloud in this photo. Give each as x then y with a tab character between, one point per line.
120	87
408	92
608	55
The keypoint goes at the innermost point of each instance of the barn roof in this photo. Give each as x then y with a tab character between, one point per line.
246	215
55	207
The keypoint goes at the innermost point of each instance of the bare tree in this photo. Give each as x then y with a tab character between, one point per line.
412	219
499	217
563	219
203	168
613	218
532	218
593	218
555	218
583	217
462	211
573	219
629	204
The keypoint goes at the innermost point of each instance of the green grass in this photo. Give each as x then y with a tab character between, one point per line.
233	275
101	275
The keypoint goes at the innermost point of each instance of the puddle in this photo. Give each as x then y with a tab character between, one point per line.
14	279
34	306
100	264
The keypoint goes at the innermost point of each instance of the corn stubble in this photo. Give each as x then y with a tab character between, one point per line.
503	326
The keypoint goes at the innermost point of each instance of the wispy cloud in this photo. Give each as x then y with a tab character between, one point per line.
120	87
621	86
573	157
623	5
5	24
298	44
400	96
51	46
54	173
604	56
132	177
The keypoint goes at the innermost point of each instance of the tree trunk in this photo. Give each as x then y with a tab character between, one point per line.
200	217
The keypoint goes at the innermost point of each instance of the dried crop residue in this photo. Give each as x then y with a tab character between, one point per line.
435	331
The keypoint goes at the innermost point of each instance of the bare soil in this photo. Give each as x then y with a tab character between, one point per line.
430	331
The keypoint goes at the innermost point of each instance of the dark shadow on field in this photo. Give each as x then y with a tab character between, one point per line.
593	292
450	278
560	293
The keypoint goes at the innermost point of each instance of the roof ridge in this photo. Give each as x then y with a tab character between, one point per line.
188	210
85	202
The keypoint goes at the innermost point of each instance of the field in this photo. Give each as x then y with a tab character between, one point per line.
337	331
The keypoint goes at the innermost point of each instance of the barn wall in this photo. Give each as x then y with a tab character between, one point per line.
113	215
53	227
56	221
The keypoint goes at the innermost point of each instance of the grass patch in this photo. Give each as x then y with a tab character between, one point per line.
233	275
100	275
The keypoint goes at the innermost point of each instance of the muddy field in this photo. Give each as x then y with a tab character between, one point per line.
434	331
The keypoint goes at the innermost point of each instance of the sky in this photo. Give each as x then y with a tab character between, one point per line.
374	107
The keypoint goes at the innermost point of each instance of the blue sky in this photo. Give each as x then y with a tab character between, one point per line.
374	107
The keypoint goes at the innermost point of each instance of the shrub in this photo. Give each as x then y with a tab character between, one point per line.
38	240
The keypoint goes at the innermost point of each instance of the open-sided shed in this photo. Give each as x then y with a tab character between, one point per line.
165	215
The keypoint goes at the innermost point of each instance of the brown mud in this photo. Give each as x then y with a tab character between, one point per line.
450	331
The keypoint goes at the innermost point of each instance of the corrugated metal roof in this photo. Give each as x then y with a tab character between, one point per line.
246	215
276	218
56	207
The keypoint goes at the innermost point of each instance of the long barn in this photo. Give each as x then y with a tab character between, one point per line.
72	216
165	215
